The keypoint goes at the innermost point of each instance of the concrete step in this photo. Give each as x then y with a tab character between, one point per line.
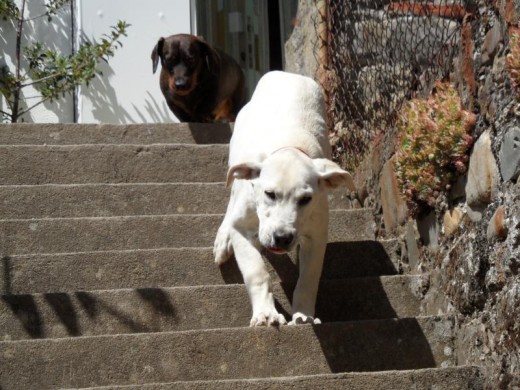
462	377
66	164
50	273
90	313
234	353
145	232
110	200
73	134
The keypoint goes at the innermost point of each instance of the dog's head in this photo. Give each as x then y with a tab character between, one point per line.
182	57
288	188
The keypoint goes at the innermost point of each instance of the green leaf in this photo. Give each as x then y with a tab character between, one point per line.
8	10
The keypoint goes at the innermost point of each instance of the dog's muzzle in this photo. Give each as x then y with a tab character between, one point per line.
283	243
181	84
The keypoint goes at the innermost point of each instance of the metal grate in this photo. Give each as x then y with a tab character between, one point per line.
379	53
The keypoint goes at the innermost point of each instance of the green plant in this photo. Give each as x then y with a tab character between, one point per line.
513	58
52	73
433	143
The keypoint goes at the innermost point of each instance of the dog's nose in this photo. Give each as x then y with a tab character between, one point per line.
283	240
180	83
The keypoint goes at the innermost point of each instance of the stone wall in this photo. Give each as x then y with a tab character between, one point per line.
468	245
301	49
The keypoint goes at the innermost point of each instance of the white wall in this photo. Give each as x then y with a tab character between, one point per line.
128	92
55	35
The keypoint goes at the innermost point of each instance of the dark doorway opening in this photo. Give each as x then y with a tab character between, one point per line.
275	42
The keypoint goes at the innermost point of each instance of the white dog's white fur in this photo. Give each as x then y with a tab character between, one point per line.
279	152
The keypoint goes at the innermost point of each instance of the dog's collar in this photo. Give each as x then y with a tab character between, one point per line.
291	147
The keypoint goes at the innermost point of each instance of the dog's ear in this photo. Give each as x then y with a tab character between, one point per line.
209	55
242	171
331	175
157	53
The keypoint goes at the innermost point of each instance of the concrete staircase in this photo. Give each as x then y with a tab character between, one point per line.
107	277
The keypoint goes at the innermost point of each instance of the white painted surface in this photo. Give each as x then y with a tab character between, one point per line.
54	35
128	91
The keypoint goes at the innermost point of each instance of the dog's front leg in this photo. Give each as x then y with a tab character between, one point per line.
237	234
257	280
311	254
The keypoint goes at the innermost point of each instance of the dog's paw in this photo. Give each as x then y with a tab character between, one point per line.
222	249
301	319
268	318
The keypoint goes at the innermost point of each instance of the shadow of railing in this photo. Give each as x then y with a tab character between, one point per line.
95	307
63	307
24	307
5	265
83	313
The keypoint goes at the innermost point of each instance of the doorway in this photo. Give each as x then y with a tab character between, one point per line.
251	31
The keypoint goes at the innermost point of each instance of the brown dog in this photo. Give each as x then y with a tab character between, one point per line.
200	83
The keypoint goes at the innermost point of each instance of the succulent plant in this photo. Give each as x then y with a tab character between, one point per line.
433	143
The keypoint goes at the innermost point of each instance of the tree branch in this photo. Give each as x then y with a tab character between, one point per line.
34	18
34	105
40	80
16	95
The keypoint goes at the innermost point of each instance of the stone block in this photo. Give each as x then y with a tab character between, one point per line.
395	211
433	33
497	227
301	49
412	248
491	44
483	175
396	80
451	221
510	155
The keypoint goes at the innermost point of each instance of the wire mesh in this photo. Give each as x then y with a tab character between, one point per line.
380	53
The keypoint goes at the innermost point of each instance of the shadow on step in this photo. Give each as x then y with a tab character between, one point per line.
350	289
211	133
5	268
24	307
83	313
343	260
157	302
377	345
363	299
354	299
357	259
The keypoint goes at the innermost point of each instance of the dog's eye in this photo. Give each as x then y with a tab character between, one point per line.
270	194
304	201
189	60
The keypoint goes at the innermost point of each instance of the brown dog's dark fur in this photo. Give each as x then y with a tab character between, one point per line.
199	83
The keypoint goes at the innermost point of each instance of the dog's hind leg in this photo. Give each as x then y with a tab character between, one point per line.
224	111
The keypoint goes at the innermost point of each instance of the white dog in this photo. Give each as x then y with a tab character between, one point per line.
279	151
